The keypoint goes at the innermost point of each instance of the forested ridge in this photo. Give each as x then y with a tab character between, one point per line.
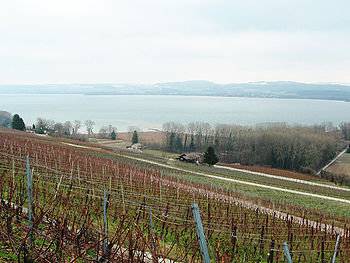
300	148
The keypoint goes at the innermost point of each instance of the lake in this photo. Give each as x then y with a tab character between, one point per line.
151	111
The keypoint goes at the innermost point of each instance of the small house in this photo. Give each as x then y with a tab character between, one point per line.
192	157
135	146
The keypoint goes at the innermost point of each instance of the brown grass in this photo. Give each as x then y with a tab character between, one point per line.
341	166
144	137
273	171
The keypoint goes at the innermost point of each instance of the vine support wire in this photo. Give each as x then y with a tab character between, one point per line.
336	248
29	194
200	233
286	252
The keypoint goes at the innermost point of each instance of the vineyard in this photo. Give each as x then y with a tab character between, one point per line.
81	204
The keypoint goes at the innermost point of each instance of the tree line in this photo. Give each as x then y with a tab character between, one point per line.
71	129
300	148
58	129
296	147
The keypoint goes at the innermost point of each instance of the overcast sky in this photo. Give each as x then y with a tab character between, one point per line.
148	41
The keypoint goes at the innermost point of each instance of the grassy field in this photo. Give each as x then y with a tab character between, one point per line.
111	143
162	154
151	137
341	166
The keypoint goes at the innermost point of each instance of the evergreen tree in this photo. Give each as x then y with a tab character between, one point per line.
172	141
135	138
178	144
18	123
113	135
210	156
191	147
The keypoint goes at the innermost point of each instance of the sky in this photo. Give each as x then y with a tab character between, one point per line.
139	41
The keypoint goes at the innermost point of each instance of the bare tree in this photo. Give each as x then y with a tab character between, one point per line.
58	129
103	133
76	125
174	127
45	124
89	126
345	128
131	129
112	128
67	128
51	124
5	119
41	124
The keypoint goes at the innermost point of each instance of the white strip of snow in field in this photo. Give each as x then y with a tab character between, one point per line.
283	178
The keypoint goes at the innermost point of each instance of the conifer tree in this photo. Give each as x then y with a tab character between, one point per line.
135	138
178	144
172	141
113	135
18	123
210	157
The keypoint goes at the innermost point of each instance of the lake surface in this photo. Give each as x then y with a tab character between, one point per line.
150	111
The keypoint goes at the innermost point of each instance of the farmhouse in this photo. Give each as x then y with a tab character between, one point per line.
192	157
135	146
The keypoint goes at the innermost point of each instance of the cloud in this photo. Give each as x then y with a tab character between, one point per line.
150	41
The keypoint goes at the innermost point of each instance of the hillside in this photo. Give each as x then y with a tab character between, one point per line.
277	89
72	184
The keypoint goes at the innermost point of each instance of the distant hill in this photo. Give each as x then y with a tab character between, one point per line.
261	89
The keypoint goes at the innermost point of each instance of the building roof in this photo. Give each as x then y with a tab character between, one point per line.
190	156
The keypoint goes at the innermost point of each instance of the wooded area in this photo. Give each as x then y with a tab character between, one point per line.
301	148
